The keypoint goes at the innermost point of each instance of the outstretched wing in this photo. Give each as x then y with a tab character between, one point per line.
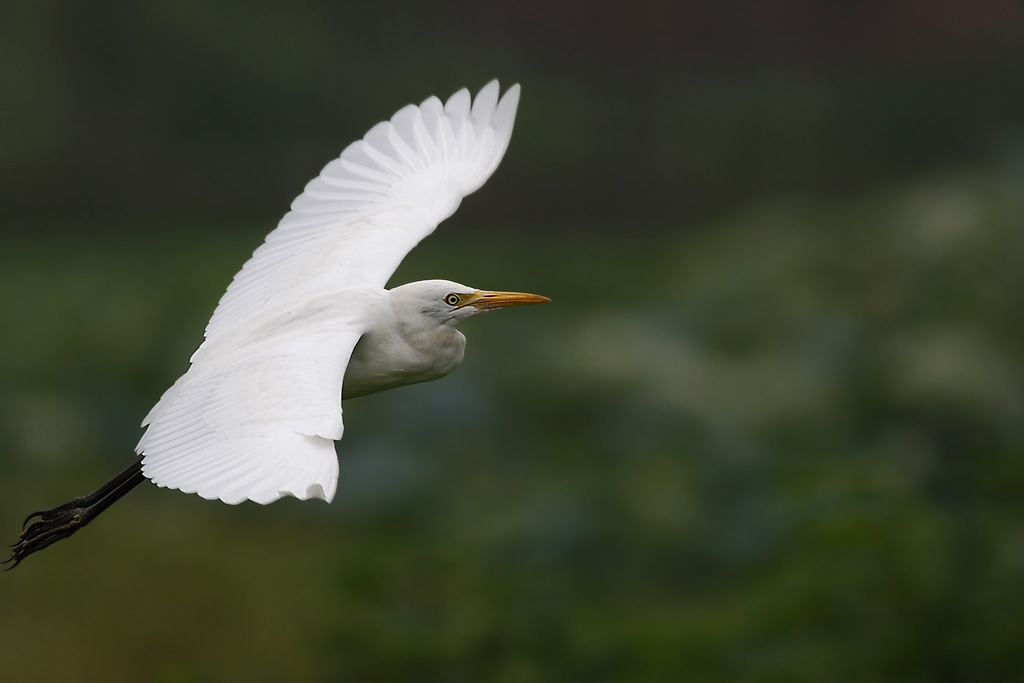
257	422
257	412
368	208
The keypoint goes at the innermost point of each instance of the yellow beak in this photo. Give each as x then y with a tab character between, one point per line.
483	300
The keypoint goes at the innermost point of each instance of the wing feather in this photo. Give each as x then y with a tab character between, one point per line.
382	196
257	421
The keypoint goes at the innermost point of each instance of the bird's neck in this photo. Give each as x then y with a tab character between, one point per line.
402	353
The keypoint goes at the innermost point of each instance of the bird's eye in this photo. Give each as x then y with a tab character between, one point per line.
452	299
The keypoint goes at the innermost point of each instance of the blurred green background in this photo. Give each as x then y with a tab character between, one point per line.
771	428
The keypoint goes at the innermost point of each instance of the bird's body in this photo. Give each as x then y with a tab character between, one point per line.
396	351
307	321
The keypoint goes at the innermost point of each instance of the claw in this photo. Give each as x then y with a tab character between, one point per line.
54	512
47	531
38	513
63	520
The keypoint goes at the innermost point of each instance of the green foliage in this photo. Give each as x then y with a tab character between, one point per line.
787	446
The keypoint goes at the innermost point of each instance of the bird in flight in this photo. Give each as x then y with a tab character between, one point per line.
308	322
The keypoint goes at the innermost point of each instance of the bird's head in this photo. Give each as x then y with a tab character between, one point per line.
449	303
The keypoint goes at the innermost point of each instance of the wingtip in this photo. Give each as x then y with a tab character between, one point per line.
505	115
486	98
495	84
459	104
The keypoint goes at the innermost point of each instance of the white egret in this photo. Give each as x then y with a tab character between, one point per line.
307	321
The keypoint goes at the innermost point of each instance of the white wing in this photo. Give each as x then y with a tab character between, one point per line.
257	412
355	223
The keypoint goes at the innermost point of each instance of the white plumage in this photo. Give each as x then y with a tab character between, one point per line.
256	414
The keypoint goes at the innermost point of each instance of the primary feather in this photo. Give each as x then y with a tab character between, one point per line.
256	414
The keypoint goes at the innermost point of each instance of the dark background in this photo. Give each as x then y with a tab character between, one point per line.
771	427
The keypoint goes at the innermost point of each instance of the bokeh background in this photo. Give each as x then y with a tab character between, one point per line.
771	428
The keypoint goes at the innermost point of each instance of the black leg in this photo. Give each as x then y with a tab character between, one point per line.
62	521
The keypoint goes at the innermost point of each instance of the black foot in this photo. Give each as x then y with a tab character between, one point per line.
62	521
53	525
